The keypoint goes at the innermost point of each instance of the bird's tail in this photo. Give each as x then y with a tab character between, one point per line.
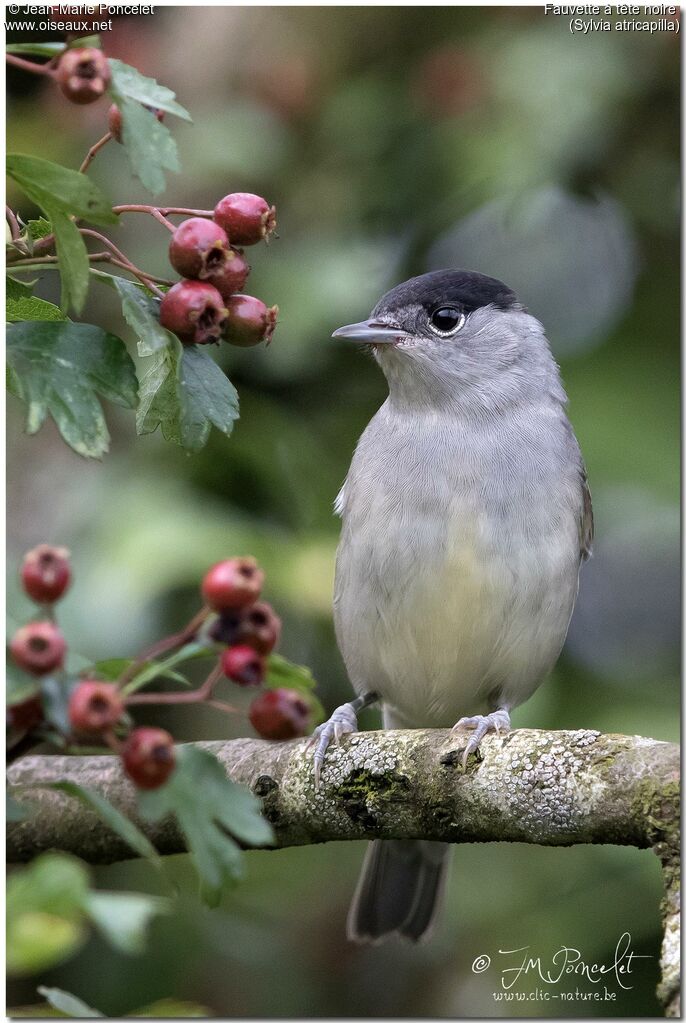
399	890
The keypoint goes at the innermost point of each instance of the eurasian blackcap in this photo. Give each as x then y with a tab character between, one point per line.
466	514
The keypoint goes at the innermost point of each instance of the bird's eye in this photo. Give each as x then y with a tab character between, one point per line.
446	320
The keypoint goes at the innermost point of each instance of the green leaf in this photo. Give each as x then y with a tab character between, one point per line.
37	941
67	1004
114	819
282	673
59	189
225	809
59	368
127	81
55	692
38	229
19	685
185	392
22	305
45	907
157	669
73	262
141	312
149	145
123	917
113	668
36	49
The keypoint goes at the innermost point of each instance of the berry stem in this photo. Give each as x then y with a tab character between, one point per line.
28	65
94	150
163	646
94	257
200	695
123	260
163	211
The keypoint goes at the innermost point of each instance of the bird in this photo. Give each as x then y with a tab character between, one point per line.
466	515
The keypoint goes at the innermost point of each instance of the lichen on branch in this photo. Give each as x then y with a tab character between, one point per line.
546	788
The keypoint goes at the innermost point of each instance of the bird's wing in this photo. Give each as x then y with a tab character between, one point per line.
586	523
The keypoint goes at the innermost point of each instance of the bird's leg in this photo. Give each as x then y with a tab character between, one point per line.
342	721
497	721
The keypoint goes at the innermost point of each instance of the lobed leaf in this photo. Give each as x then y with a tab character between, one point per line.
60	368
40	228
141	313
58	189
149	145
129	82
186	393
21	304
226	809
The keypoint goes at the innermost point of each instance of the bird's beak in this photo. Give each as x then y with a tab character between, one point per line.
366	333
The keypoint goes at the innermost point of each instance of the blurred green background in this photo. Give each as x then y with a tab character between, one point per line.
392	140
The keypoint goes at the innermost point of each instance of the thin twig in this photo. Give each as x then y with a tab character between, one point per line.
124	261
48	262
28	65
165	211
94	150
163	646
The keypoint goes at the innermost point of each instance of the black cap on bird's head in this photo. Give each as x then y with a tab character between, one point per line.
456	336
439	302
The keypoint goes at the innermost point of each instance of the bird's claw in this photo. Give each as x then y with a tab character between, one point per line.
342	721
498	721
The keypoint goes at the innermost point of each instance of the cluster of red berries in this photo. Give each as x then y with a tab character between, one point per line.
247	626
251	630
95	707
206	306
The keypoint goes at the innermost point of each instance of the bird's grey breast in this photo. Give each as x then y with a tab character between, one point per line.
457	567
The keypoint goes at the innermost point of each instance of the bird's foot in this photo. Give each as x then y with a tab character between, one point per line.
498	721
342	721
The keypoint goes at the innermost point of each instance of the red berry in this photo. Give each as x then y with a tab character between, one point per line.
232	275
46	573
95	706
243	665
280	714
198	248
83	74
194	311
115	122
38	647
249	321
148	757
232	584
25	716
246	218
256	626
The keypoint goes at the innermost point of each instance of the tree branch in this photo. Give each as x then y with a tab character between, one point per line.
547	788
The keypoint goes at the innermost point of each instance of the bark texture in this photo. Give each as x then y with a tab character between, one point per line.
547	788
